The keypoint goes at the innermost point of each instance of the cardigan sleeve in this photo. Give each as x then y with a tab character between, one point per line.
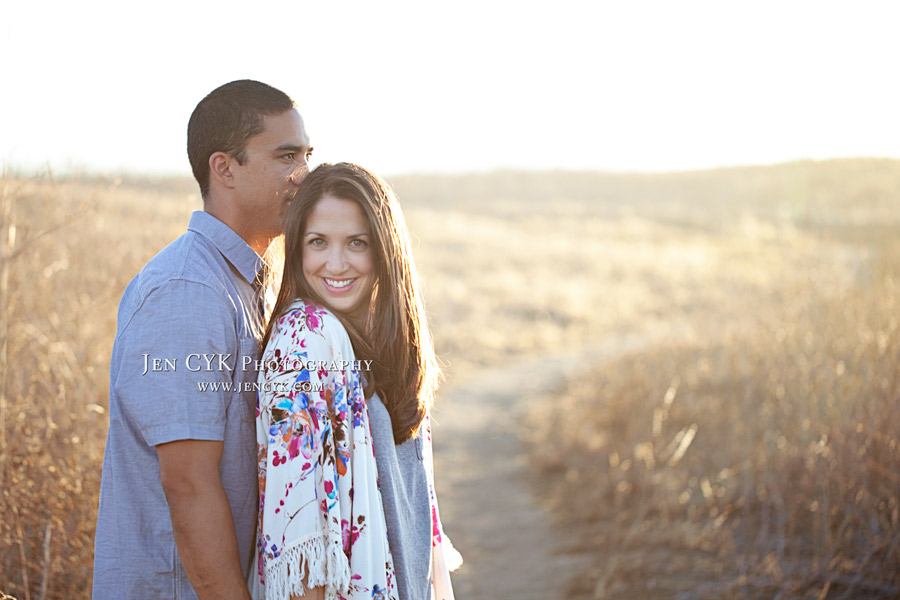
321	519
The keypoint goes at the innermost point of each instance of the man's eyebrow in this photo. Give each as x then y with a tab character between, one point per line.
292	148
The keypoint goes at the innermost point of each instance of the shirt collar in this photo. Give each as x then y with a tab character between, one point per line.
228	243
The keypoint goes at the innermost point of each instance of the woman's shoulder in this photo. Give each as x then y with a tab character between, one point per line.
304	319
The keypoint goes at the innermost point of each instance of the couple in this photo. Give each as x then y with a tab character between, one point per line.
319	485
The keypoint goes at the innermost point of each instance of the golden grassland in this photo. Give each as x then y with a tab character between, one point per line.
752	453
755	464
755	455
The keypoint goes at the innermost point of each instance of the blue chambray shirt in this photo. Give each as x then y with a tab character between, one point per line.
185	321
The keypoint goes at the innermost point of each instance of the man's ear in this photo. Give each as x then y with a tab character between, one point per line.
220	168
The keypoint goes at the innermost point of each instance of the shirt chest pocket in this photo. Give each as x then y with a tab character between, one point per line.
245	379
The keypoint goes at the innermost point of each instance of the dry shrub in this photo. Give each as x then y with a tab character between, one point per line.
764	465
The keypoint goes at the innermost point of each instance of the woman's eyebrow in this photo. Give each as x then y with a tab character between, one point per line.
352	235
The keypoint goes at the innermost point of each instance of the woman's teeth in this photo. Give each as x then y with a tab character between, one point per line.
338	284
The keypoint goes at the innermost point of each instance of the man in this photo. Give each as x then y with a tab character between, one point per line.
178	499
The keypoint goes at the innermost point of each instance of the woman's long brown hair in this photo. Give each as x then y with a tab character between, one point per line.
395	335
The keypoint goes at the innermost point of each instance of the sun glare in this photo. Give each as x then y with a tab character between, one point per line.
404	87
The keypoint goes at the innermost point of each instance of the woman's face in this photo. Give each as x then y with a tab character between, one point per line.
337	257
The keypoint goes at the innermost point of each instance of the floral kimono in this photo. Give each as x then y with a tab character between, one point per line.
321	520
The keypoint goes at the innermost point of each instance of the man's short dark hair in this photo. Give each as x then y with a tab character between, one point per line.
226	119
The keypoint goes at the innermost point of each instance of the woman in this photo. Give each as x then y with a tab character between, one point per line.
348	377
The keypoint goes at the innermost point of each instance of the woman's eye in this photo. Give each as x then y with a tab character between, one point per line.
317	242
358	244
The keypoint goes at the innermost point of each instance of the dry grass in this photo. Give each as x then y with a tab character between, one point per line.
781	280
766	462
755	458
69	248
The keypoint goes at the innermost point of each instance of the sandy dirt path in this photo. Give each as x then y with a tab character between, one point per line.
511	545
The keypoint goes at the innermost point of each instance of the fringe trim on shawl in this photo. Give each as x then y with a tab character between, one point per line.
310	558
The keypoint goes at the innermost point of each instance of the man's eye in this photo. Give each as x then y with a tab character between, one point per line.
289	156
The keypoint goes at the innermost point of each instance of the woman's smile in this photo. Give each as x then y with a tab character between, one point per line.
338	285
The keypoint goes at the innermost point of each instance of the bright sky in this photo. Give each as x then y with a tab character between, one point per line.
418	86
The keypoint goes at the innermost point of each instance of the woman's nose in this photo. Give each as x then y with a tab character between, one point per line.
336	263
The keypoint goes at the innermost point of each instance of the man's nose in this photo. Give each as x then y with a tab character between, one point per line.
300	172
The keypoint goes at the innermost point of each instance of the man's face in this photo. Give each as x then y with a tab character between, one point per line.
275	161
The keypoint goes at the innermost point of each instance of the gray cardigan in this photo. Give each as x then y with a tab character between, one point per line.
407	511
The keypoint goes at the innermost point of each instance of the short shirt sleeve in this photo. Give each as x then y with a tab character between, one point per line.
177	358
